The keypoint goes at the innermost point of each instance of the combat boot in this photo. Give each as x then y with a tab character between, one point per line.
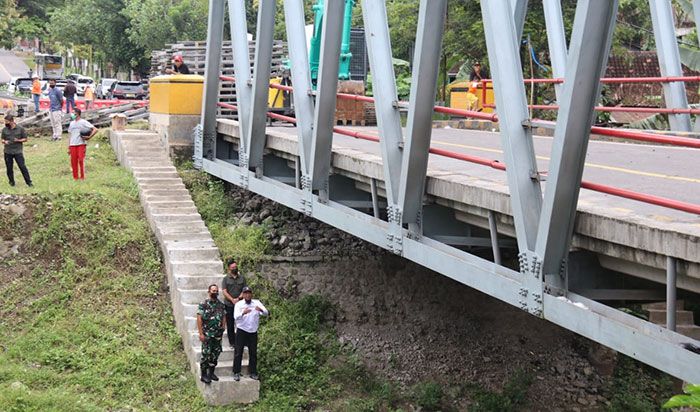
205	373
212	376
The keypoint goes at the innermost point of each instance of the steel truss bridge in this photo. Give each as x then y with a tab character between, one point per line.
387	202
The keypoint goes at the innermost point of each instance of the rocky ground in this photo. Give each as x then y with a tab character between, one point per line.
413	325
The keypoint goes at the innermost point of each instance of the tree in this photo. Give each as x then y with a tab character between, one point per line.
9	17
154	23
101	24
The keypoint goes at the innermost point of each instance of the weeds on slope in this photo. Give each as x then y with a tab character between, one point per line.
85	322
300	362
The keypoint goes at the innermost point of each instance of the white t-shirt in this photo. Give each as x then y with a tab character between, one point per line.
74	129
251	320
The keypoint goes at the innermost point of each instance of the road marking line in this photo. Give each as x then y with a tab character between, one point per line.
593	165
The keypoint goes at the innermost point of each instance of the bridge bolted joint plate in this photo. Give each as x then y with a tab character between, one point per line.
531	293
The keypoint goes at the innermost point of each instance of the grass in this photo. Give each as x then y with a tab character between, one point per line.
86	325
638	388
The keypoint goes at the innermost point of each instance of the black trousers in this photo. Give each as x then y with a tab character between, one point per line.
19	158
250	340
230	326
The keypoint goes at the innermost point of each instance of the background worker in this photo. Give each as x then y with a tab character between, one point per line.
89	96
79	131
36	92
69	93
179	67
13	137
55	110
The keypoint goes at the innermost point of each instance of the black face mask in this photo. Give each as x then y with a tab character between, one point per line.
8	125
248	301
214	296
52	86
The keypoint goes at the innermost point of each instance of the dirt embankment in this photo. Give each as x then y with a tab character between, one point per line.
413	325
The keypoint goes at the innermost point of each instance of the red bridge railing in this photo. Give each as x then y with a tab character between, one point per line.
495	164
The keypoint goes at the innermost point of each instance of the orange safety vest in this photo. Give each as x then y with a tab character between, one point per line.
36	87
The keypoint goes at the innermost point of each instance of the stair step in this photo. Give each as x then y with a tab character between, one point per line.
182	237
691	331
210	253
184	283
662	305
225	368
227	391
196	268
171	218
683	317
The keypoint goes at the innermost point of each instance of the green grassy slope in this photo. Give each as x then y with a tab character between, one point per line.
86	324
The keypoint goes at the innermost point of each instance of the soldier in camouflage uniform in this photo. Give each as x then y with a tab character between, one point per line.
211	322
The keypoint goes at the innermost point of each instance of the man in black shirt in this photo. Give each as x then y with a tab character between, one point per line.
13	137
179	67
232	287
69	93
476	74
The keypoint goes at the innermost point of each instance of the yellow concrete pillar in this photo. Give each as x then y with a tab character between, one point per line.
179	94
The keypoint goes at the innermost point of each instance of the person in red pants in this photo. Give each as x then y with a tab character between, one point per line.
79	131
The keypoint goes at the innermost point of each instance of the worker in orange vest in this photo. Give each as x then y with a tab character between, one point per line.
36	91
89	97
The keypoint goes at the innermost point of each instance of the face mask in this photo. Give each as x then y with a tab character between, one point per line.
52	86
72	116
248	301
7	125
213	295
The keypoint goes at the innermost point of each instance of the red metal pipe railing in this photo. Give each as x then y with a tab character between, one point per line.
619	80
616	109
495	164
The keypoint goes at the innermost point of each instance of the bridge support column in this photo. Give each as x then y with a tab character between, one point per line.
241	68
414	165
556	38
215	39
669	62
324	115
261	85
590	46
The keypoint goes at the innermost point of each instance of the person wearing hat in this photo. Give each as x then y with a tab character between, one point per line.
13	137
247	314
36	92
179	67
476	75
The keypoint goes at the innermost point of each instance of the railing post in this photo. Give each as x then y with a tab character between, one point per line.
671	275
215	38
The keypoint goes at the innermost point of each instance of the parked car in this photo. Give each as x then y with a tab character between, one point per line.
82	83
20	85
126	90
103	86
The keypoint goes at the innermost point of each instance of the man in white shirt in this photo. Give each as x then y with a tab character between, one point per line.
247	314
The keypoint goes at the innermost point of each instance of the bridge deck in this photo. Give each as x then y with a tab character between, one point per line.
628	236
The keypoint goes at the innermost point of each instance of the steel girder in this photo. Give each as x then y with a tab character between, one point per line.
543	230
669	61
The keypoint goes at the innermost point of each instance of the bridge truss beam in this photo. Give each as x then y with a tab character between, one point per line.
543	232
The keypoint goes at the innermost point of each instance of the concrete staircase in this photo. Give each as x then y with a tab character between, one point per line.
685	322
191	258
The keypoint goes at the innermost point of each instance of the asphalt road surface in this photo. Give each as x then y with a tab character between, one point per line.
670	172
11	66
